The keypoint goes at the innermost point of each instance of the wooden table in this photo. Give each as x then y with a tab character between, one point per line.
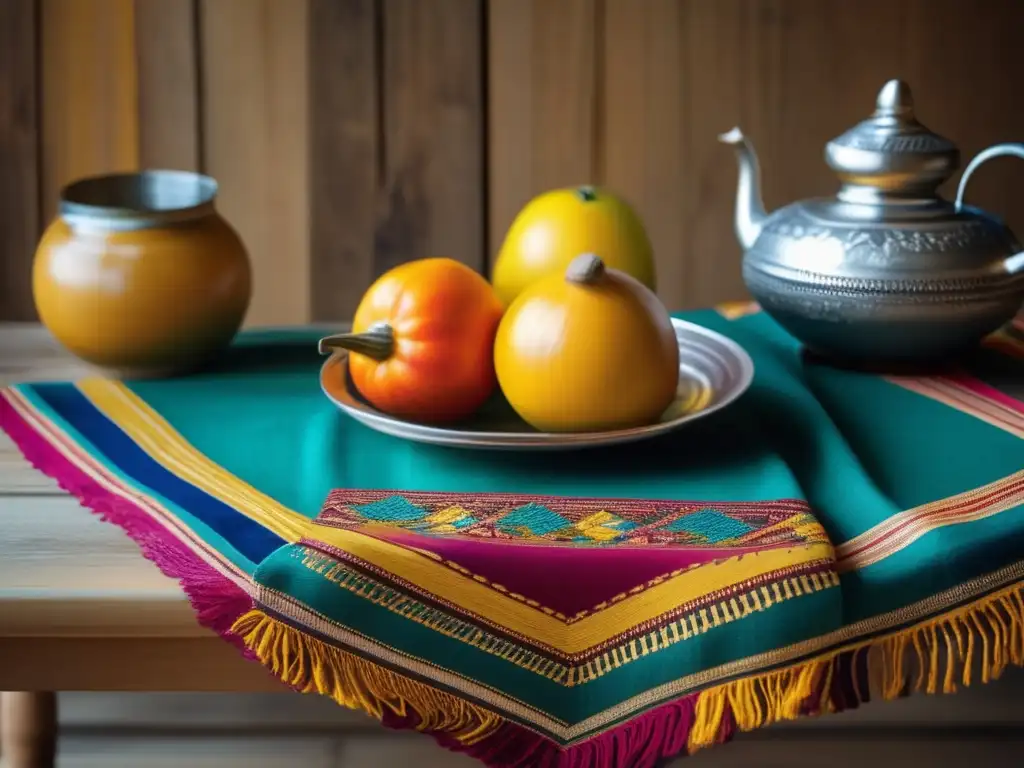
80	608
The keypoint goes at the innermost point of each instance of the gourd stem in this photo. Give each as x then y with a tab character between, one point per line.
378	342
587	193
586	268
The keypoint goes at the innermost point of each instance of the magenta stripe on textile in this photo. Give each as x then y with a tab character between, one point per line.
216	599
590	575
644	741
988	392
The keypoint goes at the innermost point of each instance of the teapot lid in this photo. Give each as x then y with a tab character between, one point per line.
891	154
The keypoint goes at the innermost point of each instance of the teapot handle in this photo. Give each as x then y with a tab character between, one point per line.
996	150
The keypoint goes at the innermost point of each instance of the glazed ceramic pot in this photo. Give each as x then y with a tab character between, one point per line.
140	275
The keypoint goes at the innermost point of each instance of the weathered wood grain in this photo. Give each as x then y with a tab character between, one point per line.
543	102
964	64
19	168
419	136
809	92
346	143
168	82
89	92
673	74
398	136
433	185
644	127
783	71
254	128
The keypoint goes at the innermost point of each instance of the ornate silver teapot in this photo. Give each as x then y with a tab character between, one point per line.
887	271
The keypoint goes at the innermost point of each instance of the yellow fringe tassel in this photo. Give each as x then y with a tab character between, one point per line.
313	666
929	657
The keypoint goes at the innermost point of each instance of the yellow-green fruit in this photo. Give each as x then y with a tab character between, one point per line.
588	350
557	226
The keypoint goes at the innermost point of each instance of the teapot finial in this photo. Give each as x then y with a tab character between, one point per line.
895	98
891	155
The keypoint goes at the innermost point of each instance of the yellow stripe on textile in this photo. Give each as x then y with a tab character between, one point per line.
944	650
166	446
620	616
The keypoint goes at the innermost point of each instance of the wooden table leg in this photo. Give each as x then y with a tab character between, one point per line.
28	730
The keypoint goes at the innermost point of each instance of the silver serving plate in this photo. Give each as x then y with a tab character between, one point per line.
713	372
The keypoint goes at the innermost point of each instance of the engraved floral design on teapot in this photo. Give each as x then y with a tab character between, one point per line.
888	253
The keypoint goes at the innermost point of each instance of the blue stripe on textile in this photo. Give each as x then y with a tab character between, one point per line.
247	536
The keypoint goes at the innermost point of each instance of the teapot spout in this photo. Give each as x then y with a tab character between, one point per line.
750	214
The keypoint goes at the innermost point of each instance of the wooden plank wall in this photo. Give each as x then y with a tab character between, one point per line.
19	140
350	135
397	116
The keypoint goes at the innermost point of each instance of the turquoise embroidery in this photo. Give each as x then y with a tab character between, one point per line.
709	525
537	519
577	524
393	509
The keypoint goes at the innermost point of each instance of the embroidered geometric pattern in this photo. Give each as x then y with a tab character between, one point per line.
694	620
674	570
578	522
566	631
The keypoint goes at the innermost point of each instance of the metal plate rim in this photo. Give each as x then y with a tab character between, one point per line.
740	360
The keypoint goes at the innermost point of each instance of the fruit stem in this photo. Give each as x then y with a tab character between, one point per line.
378	342
587	193
587	269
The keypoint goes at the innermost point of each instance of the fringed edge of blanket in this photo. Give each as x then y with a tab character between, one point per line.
932	655
935	655
216	599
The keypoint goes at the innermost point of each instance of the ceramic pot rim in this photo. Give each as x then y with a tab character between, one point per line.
137	200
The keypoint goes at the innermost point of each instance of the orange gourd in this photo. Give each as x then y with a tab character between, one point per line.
422	341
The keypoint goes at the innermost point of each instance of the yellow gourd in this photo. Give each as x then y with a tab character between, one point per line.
555	227
591	349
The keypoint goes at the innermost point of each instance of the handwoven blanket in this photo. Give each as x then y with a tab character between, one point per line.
832	535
